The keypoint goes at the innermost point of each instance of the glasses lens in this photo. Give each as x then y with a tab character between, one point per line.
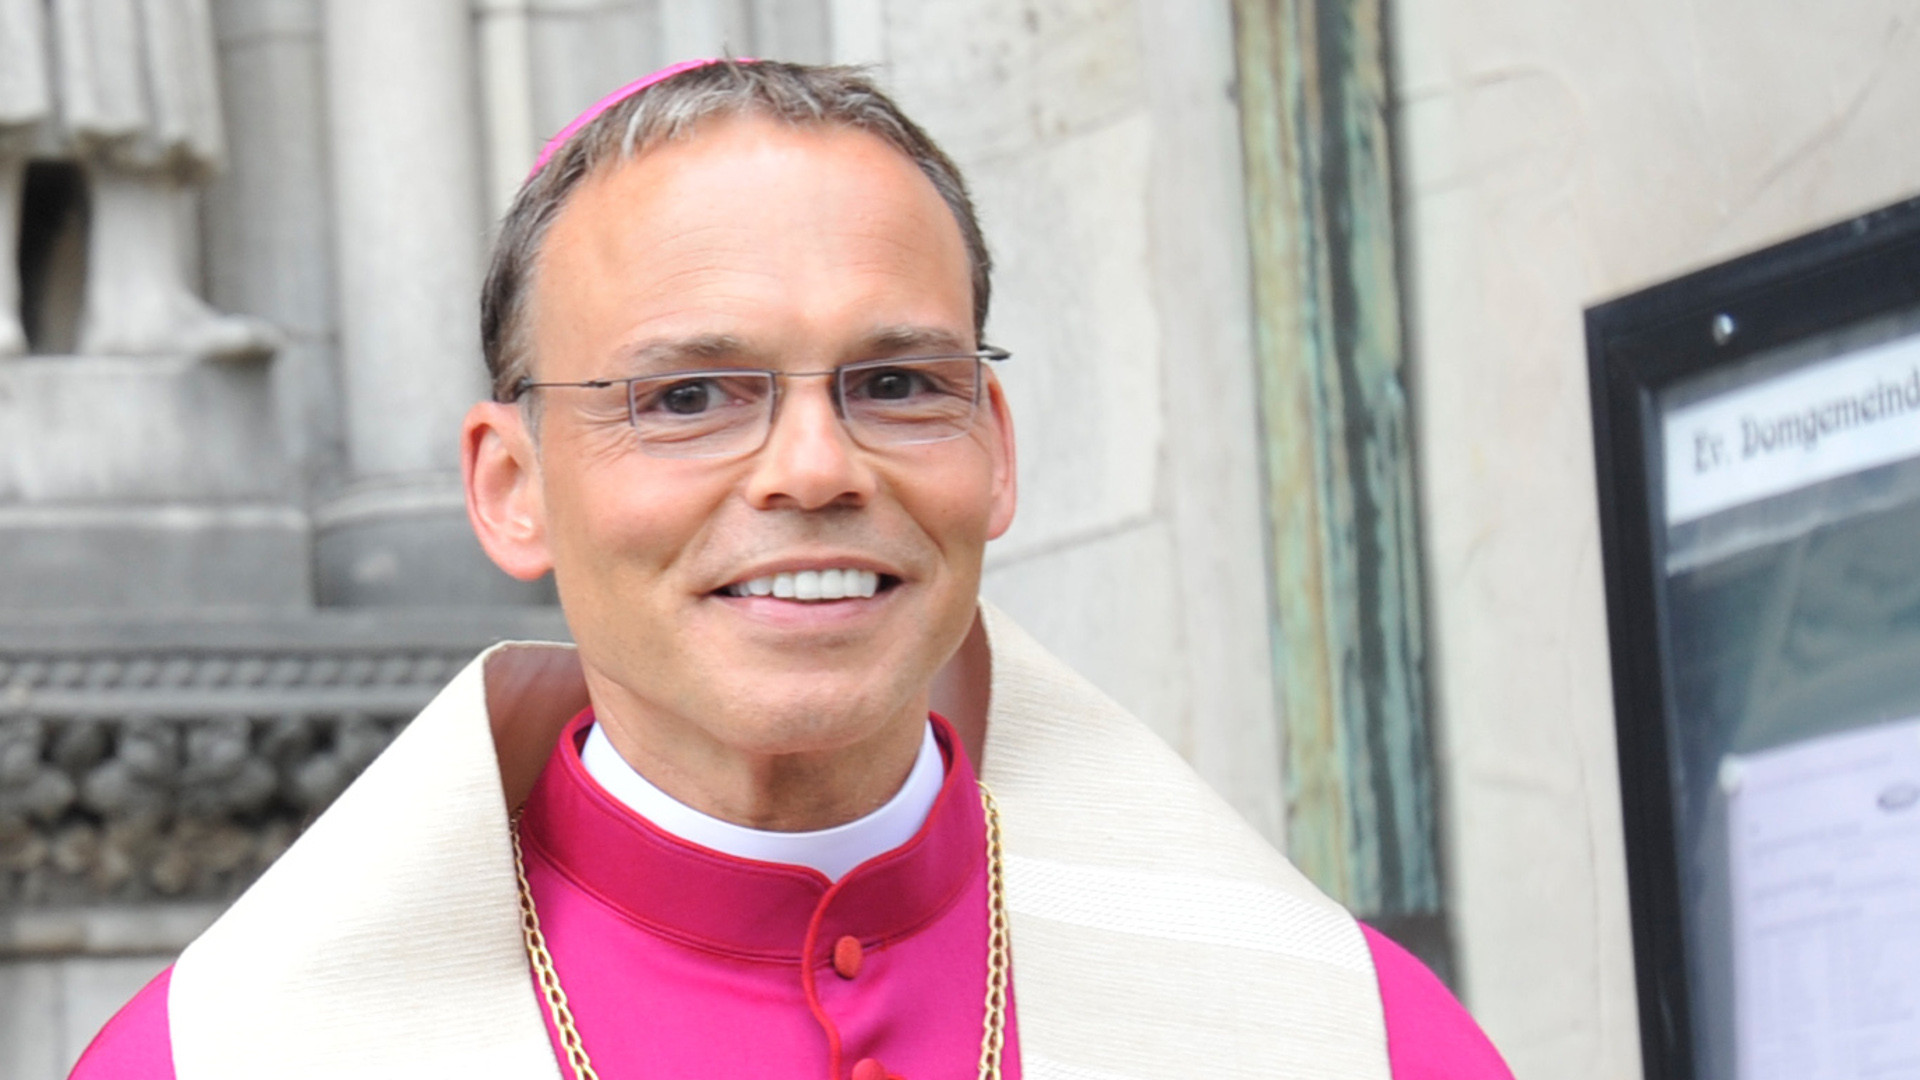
701	414
893	402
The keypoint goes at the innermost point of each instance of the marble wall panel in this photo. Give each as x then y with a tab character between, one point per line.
1112	609
1555	156
994	77
1068	224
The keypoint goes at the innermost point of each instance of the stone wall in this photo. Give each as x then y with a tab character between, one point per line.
1557	155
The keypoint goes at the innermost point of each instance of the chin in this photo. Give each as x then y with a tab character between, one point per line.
821	719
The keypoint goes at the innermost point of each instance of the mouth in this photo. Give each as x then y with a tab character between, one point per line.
814	586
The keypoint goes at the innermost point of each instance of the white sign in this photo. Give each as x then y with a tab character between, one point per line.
1825	848
1838	417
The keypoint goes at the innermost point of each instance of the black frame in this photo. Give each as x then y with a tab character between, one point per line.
1637	346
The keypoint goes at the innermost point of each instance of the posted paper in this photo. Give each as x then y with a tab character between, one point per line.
1825	848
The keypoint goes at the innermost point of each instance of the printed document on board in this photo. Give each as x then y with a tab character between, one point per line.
1825	849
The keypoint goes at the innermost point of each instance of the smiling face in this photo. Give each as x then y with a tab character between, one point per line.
761	245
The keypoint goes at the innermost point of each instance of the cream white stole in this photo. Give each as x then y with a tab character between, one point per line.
1155	934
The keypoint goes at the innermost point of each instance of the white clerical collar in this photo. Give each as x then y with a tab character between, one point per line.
833	851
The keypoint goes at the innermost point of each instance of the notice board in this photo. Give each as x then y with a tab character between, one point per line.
1757	446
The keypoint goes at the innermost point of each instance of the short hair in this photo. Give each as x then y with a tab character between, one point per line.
841	97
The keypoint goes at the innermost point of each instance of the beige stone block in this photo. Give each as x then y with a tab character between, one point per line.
1074	301
994	77
1111	609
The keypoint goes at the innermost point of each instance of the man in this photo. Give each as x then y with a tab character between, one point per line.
744	416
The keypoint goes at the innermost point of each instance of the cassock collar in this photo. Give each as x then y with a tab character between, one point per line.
834	851
742	907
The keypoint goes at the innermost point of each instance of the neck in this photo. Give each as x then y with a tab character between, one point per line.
833	851
779	790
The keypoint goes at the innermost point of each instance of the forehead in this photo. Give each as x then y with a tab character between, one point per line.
756	227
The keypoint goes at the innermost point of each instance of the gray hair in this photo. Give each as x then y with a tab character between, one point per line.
672	109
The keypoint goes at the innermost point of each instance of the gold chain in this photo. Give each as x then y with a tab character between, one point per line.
992	1038
543	967
994	1035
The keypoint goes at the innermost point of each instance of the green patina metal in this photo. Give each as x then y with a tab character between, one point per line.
1344	543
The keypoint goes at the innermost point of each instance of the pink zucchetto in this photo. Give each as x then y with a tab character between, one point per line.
554	144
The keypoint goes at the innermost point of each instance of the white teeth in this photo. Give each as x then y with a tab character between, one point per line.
811	585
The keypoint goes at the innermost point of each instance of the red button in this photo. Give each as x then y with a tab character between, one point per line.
869	1069
847	957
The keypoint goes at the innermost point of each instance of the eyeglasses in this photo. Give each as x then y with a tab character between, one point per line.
904	401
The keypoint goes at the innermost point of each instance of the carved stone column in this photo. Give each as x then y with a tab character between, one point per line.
407	175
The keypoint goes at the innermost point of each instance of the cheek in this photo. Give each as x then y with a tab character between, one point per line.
954	507
615	516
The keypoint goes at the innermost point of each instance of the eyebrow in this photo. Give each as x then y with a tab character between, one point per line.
703	349
911	340
651	356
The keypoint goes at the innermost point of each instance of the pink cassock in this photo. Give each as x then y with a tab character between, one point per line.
682	961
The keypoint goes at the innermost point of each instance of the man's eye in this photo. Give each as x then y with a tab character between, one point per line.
690	398
892	384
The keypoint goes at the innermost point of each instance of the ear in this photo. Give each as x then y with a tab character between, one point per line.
1005	464
505	500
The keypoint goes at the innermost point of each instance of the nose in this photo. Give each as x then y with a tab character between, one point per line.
810	461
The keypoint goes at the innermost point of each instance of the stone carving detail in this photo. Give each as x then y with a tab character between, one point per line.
182	777
128	89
